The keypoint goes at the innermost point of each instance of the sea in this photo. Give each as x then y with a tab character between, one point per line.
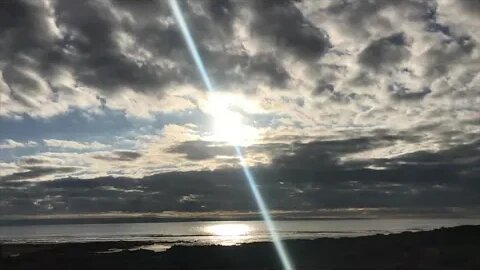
217	232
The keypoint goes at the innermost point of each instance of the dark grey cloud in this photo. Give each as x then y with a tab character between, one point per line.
309	177
385	53
119	155
442	179
33	172
446	56
361	18
32	161
200	150
400	92
327	89
285	26
151	194
269	67
96	51
223	13
23	28
22	87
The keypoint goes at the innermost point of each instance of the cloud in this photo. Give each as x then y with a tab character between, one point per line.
299	36
311	177
53	56
119	155
73	144
400	92
37	160
38	171
385	52
200	150
11	144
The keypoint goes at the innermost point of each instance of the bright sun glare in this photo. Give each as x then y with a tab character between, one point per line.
228	229
228	123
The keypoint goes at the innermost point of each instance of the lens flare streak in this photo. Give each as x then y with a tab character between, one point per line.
248	174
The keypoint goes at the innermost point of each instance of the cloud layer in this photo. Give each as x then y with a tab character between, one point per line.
354	104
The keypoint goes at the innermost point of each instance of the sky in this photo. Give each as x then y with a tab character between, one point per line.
341	108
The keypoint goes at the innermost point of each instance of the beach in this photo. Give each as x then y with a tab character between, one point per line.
445	248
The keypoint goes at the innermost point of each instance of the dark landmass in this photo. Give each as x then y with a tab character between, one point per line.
448	248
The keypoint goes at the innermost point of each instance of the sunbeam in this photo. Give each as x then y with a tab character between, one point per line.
285	260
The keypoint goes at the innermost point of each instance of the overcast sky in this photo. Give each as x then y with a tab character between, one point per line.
340	107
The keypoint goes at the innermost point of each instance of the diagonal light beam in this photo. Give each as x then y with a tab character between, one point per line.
282	253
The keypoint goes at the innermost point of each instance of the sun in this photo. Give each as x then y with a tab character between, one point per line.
228	122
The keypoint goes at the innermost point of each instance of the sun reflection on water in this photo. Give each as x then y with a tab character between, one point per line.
229	234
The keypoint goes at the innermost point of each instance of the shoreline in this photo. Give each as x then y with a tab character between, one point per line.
445	248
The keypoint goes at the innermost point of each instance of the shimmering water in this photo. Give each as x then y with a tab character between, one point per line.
217	232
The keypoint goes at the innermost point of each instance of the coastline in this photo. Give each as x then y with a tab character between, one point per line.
446	248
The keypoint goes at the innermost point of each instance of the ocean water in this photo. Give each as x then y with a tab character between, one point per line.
216	232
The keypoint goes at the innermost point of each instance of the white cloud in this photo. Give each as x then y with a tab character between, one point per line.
73	144
11	144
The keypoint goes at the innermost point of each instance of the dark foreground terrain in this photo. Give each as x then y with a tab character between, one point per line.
452	248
